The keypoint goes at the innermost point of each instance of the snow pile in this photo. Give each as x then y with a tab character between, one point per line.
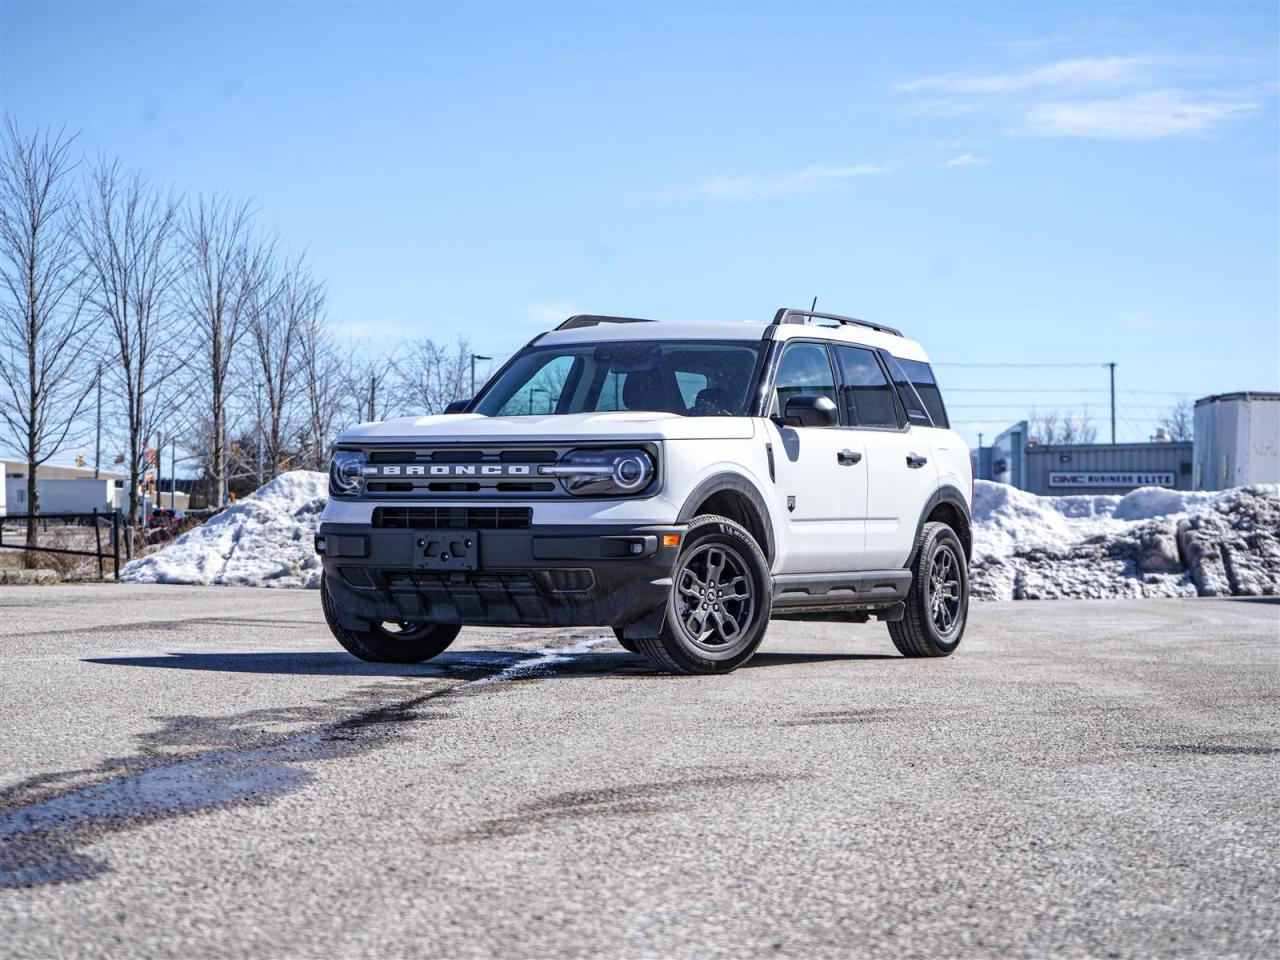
264	540
1150	542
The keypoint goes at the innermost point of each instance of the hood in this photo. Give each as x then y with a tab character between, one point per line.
615	425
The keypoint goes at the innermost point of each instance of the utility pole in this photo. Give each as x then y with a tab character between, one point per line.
97	442
1113	403
474	358
173	475
373	395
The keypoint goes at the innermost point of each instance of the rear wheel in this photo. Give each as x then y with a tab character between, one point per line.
938	602
720	601
389	642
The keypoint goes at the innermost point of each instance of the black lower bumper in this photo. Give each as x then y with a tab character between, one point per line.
601	575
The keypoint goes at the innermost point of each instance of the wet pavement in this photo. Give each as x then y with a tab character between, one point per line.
202	772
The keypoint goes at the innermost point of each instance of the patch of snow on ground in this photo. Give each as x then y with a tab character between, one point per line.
264	540
1149	542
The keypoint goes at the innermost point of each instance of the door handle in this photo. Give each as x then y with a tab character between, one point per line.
915	461
848	458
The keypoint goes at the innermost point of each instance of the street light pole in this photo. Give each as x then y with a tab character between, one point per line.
97	436
474	358
1113	403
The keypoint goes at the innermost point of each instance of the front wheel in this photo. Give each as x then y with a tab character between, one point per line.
938	602
721	598
389	642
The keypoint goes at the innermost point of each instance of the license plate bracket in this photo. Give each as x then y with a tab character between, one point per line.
446	550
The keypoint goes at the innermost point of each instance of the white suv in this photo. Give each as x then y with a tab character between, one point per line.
681	484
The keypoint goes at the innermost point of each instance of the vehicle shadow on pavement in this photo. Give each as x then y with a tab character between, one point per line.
609	663
336	663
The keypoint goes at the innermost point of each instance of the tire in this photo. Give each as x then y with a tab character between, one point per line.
413	643
927	630
627	645
701	635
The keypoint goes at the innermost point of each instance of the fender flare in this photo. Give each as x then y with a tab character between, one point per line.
736	483
951	495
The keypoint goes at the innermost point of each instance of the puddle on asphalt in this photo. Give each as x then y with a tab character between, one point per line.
243	759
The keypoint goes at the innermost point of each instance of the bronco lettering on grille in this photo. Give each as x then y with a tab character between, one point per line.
449	470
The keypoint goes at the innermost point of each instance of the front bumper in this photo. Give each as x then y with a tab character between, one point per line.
543	575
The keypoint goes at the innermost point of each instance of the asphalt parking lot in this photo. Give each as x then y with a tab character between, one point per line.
202	773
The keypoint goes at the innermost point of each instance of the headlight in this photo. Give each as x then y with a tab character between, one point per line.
346	473
603	472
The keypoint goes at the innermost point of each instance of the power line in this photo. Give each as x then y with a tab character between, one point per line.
1162	393
1090	366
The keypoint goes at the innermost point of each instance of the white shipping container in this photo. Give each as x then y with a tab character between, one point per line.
1237	440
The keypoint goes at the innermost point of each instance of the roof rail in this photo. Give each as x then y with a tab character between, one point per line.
791	315
591	320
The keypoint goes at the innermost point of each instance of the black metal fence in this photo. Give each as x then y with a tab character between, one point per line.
113	521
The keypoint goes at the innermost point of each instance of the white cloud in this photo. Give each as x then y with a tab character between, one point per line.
750	186
1144	116
1117	98
1080	72
968	160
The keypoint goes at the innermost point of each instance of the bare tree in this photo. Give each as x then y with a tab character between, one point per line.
1180	421
127	231
223	272
372	387
44	330
432	375
323	380
278	326
1053	429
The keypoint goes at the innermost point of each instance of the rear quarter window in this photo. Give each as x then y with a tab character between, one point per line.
921	376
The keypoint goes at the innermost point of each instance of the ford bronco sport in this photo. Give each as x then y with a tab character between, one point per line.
680	484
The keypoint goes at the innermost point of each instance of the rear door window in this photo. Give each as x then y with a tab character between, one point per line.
866	396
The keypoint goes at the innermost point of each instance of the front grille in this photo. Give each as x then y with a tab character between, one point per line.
462	456
445	471
456	518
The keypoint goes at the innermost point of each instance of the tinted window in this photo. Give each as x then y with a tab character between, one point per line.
688	377
907	393
805	369
866	394
922	379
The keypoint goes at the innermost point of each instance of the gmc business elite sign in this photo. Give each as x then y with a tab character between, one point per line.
1063	478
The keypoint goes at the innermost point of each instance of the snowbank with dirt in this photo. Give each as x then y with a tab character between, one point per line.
1151	542
264	540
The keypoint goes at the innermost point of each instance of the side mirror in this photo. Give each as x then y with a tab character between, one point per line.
810	410
457	406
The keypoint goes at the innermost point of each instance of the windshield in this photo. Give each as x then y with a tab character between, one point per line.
696	378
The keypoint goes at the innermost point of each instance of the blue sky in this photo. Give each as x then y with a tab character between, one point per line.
1012	183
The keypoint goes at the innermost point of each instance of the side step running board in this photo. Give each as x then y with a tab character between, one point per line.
863	588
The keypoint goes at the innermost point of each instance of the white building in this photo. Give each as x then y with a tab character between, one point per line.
70	490
1237	440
